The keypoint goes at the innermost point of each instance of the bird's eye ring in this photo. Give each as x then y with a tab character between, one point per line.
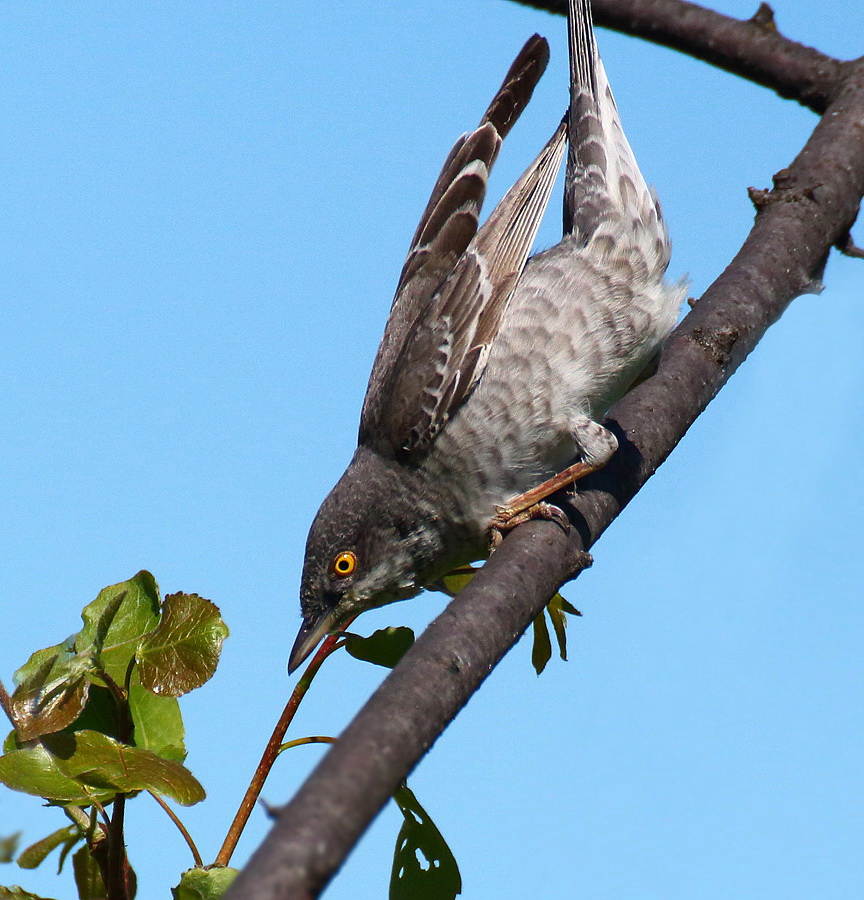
344	564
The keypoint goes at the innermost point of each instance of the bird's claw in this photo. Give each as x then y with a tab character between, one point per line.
505	520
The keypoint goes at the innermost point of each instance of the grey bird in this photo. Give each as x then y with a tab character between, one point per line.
494	373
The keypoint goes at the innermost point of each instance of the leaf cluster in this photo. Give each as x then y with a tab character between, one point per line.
96	720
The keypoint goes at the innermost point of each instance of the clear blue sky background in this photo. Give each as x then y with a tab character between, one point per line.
204	211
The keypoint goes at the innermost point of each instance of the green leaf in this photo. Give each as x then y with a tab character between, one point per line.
18	893
88	875
9	847
51	691
116	620
34	770
541	650
453	582
35	854
53	685
181	653
556	609
102	763
99	713
384	647
158	723
204	884
437	877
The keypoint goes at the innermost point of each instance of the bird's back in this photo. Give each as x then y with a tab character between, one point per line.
587	315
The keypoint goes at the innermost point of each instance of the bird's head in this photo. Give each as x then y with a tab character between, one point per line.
369	545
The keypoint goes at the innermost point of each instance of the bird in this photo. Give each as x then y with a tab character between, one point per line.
495	371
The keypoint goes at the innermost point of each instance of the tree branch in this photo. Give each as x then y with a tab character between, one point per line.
751	48
812	206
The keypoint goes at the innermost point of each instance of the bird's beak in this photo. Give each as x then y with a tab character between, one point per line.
310	635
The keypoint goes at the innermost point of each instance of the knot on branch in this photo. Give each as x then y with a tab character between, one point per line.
717	344
785	190
764	18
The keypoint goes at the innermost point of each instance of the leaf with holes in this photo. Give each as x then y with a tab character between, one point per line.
437	876
181	653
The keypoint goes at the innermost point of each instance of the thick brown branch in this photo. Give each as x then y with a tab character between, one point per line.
752	48
812	206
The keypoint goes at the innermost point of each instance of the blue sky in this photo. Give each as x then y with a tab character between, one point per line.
204	211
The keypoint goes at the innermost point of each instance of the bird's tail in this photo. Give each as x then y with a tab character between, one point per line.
607	204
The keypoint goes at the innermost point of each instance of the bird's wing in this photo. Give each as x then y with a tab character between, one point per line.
446	229
446	351
607	205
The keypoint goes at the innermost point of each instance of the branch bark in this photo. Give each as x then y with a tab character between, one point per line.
751	48
812	206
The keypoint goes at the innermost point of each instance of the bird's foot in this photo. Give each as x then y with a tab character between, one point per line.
507	517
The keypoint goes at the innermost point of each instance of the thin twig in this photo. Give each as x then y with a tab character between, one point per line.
313	739
180	827
273	748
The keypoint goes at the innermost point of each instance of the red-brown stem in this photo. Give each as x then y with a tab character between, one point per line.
115	875
180	827
116	871
271	751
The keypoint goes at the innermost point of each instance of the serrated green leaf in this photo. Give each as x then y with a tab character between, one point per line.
437	877
204	884
9	847
384	647
116	621
103	763
18	893
34	770
541	649
182	652
35	854
158	722
88	875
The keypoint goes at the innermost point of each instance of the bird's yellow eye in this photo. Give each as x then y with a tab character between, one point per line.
344	564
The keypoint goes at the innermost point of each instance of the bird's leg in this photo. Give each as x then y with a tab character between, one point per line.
596	443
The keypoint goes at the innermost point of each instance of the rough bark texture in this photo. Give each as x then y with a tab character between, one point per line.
811	208
752	48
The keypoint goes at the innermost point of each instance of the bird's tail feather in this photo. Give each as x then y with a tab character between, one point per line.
607	203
